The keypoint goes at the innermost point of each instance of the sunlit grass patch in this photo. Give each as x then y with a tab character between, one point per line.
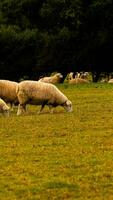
61	155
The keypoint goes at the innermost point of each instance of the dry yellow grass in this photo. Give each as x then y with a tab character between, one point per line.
62	155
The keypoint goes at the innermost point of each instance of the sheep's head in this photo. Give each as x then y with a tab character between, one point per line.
6	110
59	75
68	106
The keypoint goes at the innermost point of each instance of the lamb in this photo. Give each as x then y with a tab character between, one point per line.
4	108
52	79
40	93
8	91
78	80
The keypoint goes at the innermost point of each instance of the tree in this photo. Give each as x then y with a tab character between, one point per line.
41	36
17	52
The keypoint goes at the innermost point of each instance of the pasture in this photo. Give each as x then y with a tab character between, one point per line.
60	156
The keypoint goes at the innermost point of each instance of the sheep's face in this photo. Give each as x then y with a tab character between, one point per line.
68	106
59	75
6	110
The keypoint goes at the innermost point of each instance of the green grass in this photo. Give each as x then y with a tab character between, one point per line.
62	155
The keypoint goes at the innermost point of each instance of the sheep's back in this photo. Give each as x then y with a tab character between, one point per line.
8	90
52	79
78	80
110	81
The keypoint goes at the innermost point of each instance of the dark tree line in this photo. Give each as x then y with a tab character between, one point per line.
42	36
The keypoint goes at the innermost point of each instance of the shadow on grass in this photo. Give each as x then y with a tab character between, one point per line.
60	185
29	113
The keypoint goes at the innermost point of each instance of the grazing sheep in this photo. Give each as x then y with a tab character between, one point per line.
73	75
52	79
4	108
70	75
78	80
103	80
110	81
8	91
84	75
77	75
40	93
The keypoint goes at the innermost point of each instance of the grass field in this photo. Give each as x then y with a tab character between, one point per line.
62	155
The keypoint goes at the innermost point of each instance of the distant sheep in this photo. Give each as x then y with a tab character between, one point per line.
8	91
4	108
73	75
77	75
70	75
52	79
78	80
40	93
84	75
110	81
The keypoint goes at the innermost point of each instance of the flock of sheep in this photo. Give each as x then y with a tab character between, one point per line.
42	92
83	77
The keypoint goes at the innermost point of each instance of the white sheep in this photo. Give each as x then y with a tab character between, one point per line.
73	75
8	91
40	93
78	80
84	75
70	75
4	108
77	75
52	79
111	80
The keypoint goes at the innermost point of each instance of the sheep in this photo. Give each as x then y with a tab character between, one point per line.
40	93
103	80
8	91
73	75
4	108
77	75
84	75
110	81
52	79
70	75
78	80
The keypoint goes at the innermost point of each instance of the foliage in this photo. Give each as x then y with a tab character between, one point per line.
18	51
78	36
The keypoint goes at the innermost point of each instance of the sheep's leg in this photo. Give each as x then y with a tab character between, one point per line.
42	107
21	109
19	112
11	106
22	98
51	109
